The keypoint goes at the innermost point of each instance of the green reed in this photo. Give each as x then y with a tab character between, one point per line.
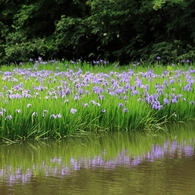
35	117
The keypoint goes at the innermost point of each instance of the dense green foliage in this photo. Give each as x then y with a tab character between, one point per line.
114	30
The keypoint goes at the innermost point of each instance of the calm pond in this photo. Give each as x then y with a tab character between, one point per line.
105	164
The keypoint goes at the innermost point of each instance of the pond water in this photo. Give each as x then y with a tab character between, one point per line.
104	163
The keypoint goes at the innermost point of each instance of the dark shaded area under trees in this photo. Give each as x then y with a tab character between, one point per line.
113	30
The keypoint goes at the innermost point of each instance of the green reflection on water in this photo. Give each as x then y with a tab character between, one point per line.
118	163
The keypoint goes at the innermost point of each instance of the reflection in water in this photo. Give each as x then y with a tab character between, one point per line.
128	160
60	169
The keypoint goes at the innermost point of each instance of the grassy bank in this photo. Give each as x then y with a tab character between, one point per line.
55	99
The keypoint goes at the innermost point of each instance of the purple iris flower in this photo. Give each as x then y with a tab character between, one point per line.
120	105
8	117
166	101
174	101
53	116
58	115
125	109
72	110
80	91
101	97
34	113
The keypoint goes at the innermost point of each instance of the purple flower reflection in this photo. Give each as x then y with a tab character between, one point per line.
157	152
136	162
123	159
65	171
58	160
189	151
75	164
110	165
97	162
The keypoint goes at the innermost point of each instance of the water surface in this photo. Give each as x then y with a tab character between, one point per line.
117	163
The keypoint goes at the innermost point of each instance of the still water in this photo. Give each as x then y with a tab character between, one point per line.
117	163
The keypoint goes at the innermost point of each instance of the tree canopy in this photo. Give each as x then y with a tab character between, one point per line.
114	30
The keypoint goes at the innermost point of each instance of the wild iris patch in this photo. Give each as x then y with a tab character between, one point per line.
54	99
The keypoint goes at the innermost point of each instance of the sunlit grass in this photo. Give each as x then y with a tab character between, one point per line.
55	99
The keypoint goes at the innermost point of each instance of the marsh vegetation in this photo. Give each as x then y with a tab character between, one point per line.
58	98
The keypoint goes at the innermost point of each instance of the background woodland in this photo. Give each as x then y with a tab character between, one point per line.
113	30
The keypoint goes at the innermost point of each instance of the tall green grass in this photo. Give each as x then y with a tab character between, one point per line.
49	114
